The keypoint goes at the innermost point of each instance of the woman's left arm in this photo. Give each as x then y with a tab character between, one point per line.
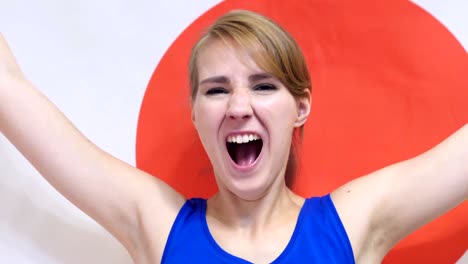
400	198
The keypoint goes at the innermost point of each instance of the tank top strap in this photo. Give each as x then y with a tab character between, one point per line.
321	236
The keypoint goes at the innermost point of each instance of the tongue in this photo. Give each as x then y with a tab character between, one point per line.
245	154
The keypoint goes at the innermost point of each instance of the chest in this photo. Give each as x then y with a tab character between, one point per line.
317	237
257	247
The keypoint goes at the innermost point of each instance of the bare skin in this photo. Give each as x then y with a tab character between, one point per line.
253	206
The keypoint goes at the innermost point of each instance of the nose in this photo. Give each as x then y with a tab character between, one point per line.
239	107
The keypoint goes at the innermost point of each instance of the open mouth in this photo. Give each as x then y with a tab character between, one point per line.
244	149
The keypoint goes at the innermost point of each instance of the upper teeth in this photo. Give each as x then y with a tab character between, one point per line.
239	139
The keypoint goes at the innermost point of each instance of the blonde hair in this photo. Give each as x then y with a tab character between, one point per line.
270	47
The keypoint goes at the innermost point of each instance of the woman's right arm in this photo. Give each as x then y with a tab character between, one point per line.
135	207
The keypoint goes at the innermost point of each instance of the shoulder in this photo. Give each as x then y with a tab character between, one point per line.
158	209
355	203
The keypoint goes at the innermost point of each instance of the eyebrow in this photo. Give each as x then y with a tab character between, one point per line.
260	76
215	79
223	79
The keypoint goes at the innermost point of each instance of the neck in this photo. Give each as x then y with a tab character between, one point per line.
277	204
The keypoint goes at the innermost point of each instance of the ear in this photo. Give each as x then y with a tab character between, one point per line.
303	109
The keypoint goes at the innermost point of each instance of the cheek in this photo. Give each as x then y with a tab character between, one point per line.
207	117
279	117
281	112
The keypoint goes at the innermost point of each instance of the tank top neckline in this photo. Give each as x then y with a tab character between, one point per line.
237	260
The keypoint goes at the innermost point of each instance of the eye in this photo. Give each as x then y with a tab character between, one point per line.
265	87
215	91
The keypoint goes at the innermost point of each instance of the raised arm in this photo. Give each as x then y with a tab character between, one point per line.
134	206
380	209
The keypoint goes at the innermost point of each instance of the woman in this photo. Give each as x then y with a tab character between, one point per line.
250	97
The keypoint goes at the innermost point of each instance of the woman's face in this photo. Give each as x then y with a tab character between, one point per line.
245	119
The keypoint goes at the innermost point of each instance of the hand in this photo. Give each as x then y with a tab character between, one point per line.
9	69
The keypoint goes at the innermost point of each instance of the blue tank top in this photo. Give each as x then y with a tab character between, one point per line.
319	237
